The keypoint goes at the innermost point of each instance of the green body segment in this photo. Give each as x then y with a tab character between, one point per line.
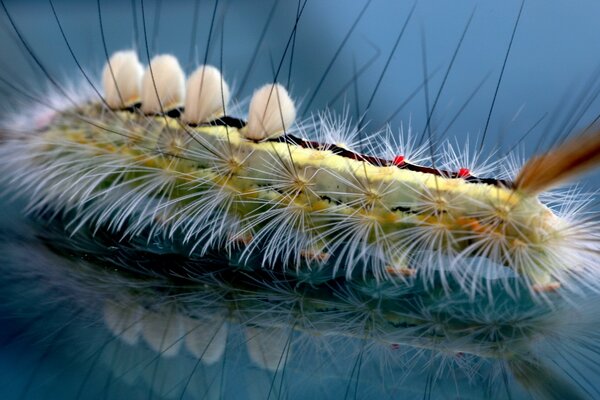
398	211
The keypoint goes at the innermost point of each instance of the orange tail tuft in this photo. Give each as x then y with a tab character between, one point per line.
572	158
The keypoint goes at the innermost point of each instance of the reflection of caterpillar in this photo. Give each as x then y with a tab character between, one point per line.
332	267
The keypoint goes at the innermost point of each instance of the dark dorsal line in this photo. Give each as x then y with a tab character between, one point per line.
399	162
382	162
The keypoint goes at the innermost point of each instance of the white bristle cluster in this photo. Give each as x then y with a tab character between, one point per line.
207	95
122	79
163	85
271	113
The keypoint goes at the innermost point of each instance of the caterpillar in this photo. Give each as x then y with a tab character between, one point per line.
208	252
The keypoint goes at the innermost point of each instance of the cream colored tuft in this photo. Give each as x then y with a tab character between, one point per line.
272	111
163	85
268	347
204	100
122	79
124	320
206	339
163	332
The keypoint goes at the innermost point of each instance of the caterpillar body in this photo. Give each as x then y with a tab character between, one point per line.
211	253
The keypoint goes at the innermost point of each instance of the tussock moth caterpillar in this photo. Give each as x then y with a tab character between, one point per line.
207	251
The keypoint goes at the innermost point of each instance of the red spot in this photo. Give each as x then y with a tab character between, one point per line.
398	160
464	173
395	346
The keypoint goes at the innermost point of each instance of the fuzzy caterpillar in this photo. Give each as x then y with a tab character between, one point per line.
219	185
177	301
212	161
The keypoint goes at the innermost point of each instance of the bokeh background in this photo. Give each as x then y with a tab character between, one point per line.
552	65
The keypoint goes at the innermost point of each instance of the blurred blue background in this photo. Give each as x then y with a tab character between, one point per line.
553	61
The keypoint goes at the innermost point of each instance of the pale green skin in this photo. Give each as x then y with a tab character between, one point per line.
323	188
